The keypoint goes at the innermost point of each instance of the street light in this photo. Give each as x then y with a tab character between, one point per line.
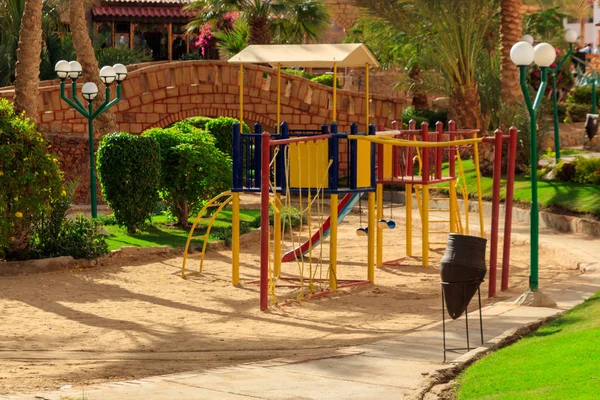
571	37
89	91
523	54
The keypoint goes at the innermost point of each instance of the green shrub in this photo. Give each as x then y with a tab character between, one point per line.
129	172
107	220
326	79
197	122
29	180
565	172
429	116
562	111
113	55
289	216
587	170
577	112
581	95
222	130
192	169
300	73
55	235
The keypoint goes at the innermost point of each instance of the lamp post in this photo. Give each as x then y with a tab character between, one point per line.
89	91
523	54
570	37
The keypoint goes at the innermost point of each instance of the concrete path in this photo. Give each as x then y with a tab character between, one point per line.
389	369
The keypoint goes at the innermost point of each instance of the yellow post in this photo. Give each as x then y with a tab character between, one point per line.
277	235
334	92
408	201
367	103
235	240
478	177
425	228
379	230
278	99
453	203
241	85
333	232
371	239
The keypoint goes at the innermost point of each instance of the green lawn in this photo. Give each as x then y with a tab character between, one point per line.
566	196
162	233
559	361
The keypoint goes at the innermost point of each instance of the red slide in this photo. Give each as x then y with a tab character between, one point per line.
344	207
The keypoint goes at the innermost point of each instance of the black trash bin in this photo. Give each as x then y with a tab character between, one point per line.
591	125
462	270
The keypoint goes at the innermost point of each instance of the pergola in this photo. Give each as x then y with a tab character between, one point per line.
352	55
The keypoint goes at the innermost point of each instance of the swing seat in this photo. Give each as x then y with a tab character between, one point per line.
391	224
362	231
386	224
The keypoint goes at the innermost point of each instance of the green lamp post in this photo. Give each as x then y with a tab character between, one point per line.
89	91
523	54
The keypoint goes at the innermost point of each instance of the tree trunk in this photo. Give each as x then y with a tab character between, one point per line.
106	122
259	30
582	21
465	108
419	98
510	33
27	72
183	212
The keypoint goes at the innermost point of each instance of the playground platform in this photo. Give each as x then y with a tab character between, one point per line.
391	369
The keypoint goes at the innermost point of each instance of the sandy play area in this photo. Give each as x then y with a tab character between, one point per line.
137	317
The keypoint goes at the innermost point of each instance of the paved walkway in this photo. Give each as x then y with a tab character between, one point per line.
388	369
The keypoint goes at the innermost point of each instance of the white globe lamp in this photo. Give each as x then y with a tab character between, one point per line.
528	39
120	71
544	54
62	69
76	70
522	53
107	75
89	91
571	36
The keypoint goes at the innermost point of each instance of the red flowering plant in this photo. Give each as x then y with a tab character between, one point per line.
564	77
207	42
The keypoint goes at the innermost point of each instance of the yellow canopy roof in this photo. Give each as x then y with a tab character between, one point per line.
307	55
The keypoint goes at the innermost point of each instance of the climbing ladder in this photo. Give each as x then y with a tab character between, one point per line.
216	202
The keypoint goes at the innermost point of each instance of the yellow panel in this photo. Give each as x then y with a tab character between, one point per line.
364	163
387	159
308	164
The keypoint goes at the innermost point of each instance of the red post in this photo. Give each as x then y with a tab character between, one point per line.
439	126
264	221
495	211
425	156
452	152
510	186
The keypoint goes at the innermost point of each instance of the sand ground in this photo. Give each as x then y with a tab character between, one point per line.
133	318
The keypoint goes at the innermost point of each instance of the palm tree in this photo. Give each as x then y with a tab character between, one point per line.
287	19
87	57
27	75
510	33
450	37
11	12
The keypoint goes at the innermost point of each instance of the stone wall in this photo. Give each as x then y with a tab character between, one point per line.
571	135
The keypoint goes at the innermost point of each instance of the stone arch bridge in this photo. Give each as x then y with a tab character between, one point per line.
158	94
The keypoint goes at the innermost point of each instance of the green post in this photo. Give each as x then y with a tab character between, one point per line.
90	115
534	215
555	101
92	163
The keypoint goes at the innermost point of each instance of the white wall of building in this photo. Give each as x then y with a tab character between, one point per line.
591	30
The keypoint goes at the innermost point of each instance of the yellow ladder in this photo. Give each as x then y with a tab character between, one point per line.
215	202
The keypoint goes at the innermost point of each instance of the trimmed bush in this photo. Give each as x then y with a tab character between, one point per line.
129	172
587	170
197	122
193	169
56	235
29	180
565	172
326	79
222	130
577	112
429	116
300	73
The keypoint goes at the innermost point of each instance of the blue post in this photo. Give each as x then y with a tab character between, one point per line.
237	158
372	131
334	156
285	134
257	155
353	149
